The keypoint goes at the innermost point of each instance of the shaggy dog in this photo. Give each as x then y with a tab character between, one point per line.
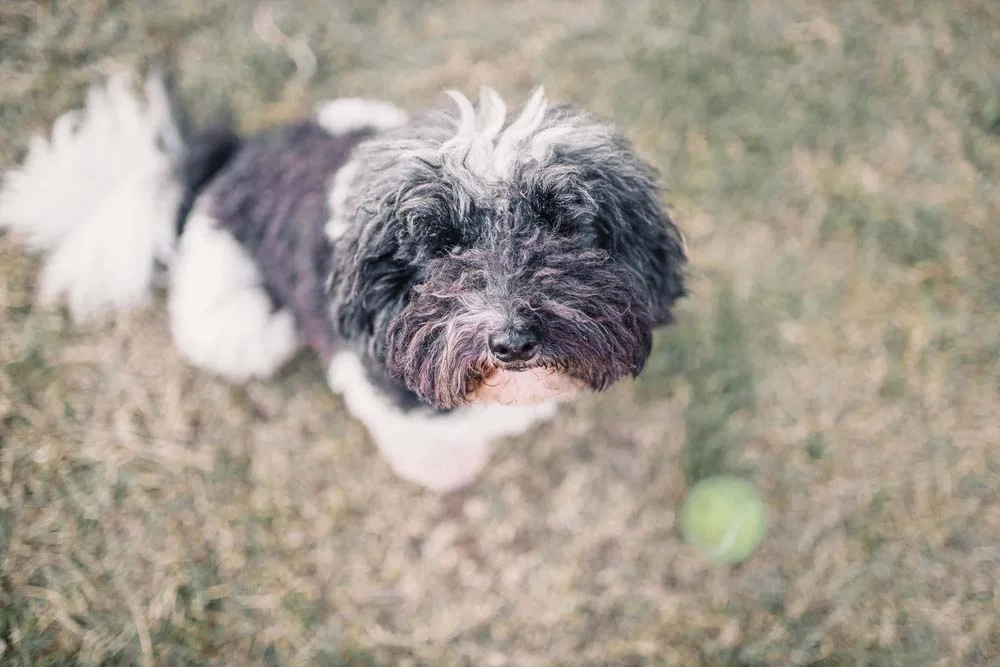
458	272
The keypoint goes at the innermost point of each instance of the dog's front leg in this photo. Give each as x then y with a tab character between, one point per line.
441	451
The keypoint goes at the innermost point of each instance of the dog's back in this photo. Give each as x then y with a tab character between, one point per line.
119	200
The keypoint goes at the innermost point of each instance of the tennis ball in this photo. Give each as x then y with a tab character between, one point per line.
724	517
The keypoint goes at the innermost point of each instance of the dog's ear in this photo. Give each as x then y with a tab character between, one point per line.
630	221
369	282
373	266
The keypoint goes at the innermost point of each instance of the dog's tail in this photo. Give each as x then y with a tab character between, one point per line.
102	198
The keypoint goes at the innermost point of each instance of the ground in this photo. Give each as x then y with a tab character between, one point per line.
834	165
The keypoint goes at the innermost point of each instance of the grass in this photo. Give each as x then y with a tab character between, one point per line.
834	166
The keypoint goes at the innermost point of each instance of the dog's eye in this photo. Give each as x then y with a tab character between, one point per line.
564	212
547	213
444	241
550	217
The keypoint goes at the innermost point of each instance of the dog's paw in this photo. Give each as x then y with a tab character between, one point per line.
441	466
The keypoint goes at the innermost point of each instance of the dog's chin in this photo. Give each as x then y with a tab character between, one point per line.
527	386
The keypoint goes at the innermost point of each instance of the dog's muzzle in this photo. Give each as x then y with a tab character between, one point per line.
526	323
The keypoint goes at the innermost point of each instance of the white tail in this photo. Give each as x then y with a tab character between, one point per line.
100	198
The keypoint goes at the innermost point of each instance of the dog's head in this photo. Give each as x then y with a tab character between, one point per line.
496	259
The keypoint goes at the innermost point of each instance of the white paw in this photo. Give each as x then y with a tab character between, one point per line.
440	452
440	466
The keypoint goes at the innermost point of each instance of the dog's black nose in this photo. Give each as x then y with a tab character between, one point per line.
514	345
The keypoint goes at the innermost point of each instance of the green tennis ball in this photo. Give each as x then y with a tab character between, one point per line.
724	517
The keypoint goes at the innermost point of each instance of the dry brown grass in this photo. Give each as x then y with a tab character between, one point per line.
835	166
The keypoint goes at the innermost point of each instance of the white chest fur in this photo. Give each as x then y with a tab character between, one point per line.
441	452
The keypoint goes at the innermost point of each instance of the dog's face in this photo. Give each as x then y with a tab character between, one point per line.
498	260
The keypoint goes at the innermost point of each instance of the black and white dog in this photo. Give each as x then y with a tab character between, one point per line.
458	272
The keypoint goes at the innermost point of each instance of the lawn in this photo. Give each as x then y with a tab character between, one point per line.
835	166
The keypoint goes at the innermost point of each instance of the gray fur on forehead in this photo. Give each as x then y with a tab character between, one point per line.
477	148
489	145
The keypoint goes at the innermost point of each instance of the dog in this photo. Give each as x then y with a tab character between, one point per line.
459	272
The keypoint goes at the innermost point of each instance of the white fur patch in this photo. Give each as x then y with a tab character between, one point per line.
221	318
349	114
339	189
527	387
99	198
441	452
482	146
